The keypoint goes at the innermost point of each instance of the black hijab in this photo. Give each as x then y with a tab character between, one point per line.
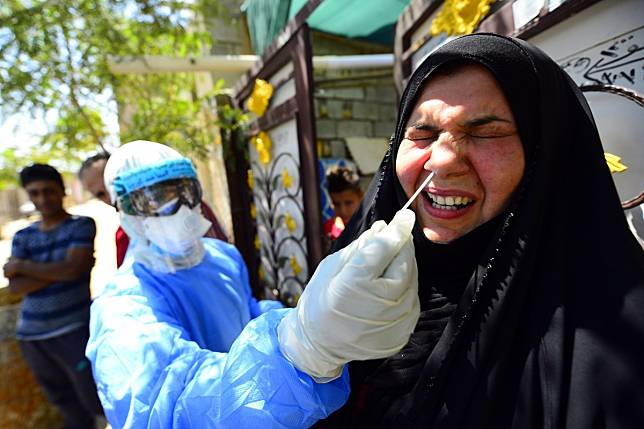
538	320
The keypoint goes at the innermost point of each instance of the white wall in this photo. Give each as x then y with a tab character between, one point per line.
596	24
605	44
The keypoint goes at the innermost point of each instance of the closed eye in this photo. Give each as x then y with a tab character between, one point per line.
491	133
422	132
419	139
489	127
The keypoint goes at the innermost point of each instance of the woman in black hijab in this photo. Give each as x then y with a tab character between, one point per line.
530	282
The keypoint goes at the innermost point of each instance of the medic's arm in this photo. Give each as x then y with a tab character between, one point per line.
149	375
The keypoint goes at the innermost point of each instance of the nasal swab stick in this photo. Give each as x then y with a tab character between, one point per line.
413	197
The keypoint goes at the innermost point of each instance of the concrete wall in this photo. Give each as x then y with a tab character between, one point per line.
10	201
356	106
351	103
362	108
212	175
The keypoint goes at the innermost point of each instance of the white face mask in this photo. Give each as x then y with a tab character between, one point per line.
179	233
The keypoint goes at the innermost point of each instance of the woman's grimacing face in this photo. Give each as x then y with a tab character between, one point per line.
463	130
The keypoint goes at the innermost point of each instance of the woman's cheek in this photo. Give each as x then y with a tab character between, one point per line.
409	166
499	170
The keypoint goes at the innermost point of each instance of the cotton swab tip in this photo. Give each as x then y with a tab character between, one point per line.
420	188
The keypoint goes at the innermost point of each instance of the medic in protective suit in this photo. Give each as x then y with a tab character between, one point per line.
177	340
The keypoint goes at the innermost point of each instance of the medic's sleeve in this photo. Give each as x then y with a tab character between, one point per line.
149	375
267	305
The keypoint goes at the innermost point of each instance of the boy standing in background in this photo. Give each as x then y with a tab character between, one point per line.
346	194
50	264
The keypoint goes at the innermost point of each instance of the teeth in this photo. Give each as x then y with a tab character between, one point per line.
448	202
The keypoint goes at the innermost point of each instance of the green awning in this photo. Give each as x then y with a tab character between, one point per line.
266	19
372	20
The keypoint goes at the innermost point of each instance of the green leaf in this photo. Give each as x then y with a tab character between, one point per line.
275	181
54	62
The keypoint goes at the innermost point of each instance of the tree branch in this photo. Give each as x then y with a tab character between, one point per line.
72	91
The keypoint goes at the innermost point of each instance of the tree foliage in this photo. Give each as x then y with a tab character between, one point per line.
184	123
54	58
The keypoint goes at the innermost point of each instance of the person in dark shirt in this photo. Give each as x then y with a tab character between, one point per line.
50	264
91	176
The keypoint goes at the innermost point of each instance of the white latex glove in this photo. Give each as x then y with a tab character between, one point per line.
361	303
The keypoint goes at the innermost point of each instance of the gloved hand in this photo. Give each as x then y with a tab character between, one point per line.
361	303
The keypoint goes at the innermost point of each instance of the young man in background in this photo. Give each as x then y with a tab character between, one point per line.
50	264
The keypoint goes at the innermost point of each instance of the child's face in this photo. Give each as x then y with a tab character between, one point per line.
345	203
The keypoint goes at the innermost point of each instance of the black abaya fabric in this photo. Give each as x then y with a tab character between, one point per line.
538	320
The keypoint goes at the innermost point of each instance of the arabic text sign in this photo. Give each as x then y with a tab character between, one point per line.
618	61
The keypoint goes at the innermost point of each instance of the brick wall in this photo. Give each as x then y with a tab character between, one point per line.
353	104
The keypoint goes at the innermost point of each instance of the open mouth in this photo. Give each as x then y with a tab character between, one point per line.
449	202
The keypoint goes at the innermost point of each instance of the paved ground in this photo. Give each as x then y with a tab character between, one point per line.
106	220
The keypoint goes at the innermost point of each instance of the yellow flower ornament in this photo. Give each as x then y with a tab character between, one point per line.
263	144
260	97
250	179
287	180
291	225
460	16
614	163
295	266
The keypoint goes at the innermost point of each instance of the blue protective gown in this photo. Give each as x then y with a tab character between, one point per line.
180	350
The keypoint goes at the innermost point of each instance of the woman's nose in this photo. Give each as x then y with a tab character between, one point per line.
447	157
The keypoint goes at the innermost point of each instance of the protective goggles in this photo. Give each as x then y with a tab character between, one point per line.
161	199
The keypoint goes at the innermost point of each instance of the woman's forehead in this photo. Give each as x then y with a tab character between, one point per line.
469	89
